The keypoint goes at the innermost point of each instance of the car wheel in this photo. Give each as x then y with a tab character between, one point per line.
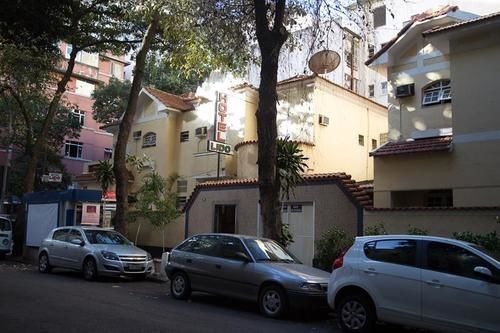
356	314
273	301
89	269
180	287
43	263
2	256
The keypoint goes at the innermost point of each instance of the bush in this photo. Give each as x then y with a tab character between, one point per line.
329	247
416	231
373	230
490	241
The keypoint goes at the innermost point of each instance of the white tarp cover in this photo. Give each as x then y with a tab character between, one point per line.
42	218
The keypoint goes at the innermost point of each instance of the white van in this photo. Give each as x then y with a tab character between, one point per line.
6	242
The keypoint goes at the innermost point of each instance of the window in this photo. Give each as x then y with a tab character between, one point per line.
184	136
371	90
374	144
108	153
350	83
351	50
384	137
229	246
73	149
361	140
79	116
394	251
116	70
439	198
84	88
371	50
437	92
91	59
181	202
149	140
205	245
182	185
383	88
452	259
60	235
379	16
74	234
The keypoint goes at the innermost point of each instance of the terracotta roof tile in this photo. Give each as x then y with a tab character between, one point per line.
480	19
427	15
398	209
170	100
360	196
442	143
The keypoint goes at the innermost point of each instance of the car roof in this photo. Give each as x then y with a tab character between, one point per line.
240	236
417	237
83	227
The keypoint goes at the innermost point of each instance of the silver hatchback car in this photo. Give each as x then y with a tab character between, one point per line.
94	251
246	267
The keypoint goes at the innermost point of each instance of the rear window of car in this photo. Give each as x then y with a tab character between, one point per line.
5	225
394	251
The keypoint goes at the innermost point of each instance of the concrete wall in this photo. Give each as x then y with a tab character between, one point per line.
435	222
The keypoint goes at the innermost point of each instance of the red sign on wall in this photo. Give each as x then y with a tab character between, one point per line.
221	118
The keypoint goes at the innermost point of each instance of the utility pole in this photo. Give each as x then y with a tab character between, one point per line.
7	165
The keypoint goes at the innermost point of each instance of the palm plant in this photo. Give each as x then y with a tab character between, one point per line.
104	175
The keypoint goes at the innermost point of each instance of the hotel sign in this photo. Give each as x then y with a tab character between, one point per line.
218	144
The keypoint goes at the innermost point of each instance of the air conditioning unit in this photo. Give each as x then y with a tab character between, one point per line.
137	135
324	120
201	131
405	90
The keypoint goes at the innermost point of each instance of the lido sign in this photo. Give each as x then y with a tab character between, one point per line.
218	144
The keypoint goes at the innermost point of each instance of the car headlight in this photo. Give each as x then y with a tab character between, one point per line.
109	255
5	242
311	287
150	257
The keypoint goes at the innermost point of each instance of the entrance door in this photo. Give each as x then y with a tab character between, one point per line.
299	217
225	219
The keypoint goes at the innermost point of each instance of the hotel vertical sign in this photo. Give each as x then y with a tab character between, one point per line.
218	144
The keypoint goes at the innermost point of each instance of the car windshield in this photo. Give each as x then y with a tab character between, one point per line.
268	250
494	255
5	225
106	237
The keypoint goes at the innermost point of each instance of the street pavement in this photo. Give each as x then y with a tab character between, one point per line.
63	302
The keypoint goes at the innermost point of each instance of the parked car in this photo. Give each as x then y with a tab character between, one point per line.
94	251
6	242
422	281
245	267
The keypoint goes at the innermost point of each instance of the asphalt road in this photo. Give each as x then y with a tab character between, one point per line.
63	302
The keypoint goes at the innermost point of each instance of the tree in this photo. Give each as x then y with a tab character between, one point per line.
156	202
104	175
290	164
110	100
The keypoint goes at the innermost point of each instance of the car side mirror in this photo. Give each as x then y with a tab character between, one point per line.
483	272
242	257
77	241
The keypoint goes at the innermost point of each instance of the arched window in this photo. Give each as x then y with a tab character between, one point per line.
437	92
149	139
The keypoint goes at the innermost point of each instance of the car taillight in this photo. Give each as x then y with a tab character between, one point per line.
337	263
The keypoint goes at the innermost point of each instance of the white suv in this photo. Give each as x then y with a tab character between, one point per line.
422	281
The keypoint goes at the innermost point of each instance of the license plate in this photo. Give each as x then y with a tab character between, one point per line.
135	267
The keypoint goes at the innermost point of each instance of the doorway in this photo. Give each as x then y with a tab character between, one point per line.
225	219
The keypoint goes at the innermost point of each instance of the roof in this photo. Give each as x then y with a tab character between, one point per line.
170	100
477	20
358	195
455	208
427	15
442	143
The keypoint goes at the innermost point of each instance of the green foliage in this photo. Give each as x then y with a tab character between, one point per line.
110	100
286	235
137	163
330	246
416	231
104	175
290	165
377	229
490	241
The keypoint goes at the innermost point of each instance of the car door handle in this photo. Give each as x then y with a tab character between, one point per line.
370	271
434	283
189	261
218	266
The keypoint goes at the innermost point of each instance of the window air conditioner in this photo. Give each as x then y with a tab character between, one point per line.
201	131
137	135
324	120
405	90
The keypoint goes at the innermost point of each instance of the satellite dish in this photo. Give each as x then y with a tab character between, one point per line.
324	61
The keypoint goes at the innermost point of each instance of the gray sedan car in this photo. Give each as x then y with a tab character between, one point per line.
94	251
251	268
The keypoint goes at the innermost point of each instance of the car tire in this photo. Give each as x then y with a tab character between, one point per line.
356	314
2	256
89	269
273	302
180	286
43	263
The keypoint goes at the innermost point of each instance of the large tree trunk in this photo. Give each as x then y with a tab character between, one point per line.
270	43
34	154
119	167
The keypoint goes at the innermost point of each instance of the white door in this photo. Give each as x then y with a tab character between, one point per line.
300	218
453	295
